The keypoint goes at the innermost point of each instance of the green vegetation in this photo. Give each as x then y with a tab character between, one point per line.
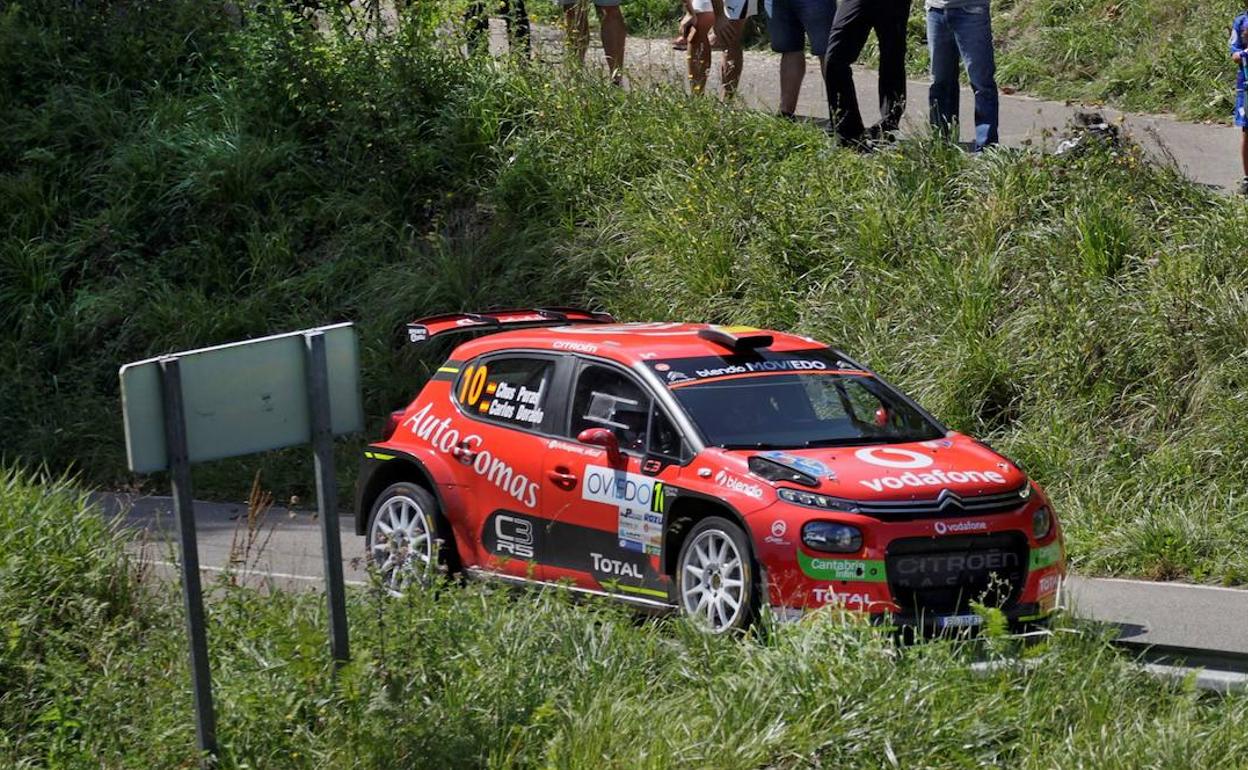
1084	313
93	674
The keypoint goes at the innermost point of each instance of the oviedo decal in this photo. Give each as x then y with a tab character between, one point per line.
441	436
574	547
639	501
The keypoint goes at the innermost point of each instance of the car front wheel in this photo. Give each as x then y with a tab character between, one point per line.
403	544
715	576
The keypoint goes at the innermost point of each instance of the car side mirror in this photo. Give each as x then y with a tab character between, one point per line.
605	439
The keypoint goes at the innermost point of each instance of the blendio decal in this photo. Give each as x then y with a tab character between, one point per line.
441	436
783	365
639	501
857	570
931	479
726	479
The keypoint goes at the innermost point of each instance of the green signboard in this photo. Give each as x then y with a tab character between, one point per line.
241	398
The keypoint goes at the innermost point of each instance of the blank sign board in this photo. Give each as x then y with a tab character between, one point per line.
241	398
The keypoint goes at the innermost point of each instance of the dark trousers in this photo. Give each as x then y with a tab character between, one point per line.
854	21
478	19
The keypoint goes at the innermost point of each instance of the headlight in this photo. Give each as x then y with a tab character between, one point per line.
812	500
1041	523
831	537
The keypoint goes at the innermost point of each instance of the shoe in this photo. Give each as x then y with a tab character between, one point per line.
882	134
680	44
1243	186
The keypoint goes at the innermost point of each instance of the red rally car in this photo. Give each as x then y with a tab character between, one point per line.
704	469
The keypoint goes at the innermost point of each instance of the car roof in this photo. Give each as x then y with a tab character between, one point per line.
626	343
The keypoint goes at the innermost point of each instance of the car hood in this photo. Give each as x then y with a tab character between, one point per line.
913	471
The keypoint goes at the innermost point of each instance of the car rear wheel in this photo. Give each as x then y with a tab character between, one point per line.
403	537
715	576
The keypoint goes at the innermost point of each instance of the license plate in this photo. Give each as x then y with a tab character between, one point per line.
959	621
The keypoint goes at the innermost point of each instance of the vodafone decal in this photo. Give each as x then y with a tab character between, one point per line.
909	460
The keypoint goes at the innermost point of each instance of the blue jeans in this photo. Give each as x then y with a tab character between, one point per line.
964	33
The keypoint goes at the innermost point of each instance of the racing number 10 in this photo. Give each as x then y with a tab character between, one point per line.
473	385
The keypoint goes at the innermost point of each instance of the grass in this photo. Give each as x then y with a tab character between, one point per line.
93	674
1083	313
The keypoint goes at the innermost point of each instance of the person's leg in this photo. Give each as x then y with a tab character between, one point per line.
518	31
785	28
846	38
942	97
613	33
576	24
890	30
732	61
1243	150
476	26
972	29
792	72
699	54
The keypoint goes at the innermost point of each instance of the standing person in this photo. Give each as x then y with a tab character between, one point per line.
962	29
1239	55
854	20
717	24
478	20
576	18
789	21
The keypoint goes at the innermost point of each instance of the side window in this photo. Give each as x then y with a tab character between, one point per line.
605	398
510	391
664	438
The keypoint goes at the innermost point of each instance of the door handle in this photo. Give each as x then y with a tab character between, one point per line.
463	453
562	478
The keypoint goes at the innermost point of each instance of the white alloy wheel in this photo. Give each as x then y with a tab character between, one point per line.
714	579
401	540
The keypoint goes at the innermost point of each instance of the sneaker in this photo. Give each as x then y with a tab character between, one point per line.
1243	186
680	44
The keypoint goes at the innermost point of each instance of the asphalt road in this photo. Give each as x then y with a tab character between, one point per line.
1205	153
1171	614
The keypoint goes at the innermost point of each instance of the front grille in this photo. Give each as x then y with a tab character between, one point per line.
946	504
943	576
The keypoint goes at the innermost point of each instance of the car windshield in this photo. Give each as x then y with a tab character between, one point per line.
767	400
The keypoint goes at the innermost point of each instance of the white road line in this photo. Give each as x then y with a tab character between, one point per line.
280	575
1162	584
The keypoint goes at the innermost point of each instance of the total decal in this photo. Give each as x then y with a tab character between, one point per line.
737	484
848	600
439	434
639	500
909	460
616	567
1049	583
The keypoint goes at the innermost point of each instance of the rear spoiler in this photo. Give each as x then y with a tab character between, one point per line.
490	321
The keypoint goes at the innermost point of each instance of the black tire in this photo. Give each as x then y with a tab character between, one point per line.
707	598
411	555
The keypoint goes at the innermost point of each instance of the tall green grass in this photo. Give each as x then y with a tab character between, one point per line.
1084	313
93	668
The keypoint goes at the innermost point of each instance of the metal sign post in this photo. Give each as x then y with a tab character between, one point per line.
231	400
326	492
192	593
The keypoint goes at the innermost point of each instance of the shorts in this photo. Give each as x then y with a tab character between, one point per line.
599	3
733	9
1241	120
788	19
